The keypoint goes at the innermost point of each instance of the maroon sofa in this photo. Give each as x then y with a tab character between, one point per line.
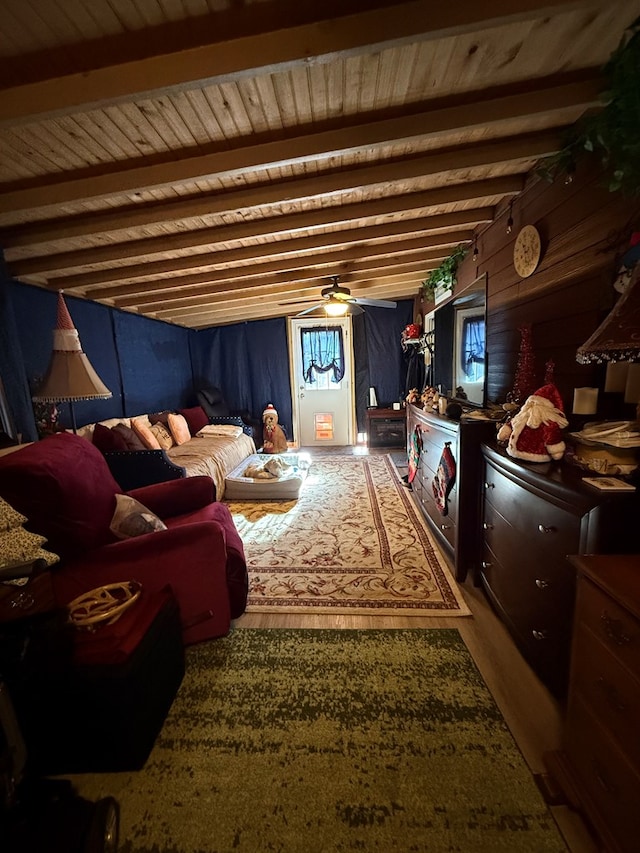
63	486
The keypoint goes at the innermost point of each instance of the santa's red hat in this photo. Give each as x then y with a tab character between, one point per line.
551	393
270	410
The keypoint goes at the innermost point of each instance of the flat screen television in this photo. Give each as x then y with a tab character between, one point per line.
460	357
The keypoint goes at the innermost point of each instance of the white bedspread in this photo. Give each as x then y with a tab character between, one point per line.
212	455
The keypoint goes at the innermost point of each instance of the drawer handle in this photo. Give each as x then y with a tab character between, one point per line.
489	485
487	526
539	635
610	694
486	565
541	583
445	527
613	630
543	529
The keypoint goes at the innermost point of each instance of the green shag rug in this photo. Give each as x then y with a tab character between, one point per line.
302	741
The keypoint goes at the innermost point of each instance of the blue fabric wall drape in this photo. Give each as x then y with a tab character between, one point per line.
387	369
13	372
149	365
155	362
35	312
250	363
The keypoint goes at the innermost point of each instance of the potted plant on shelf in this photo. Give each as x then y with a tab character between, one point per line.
440	281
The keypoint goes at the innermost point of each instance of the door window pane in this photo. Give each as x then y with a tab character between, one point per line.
322	358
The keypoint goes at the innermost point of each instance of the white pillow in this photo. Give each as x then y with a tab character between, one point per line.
221	429
132	518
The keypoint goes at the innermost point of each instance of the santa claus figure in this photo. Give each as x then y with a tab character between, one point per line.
534	433
273	437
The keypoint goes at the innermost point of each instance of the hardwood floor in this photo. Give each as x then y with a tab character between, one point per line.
531	712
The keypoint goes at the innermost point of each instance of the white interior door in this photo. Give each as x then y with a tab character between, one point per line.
323	409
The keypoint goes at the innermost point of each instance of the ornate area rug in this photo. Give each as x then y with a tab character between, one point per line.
353	542
319	741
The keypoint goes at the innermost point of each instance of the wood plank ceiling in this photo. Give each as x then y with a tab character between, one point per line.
205	161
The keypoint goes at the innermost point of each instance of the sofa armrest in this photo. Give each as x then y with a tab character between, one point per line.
176	497
132	469
190	558
234	420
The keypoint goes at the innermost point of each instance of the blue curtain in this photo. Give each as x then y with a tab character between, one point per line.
387	368
13	372
149	365
35	313
249	362
322	350
155	360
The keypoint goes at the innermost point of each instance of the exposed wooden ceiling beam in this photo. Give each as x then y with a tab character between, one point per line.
474	111
286	253
152	214
283	47
254	251
291	284
419	262
284	299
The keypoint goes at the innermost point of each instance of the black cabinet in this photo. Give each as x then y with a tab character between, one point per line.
533	516
386	428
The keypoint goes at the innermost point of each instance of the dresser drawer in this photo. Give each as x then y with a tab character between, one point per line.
445	524
550	530
539	619
604	684
614	626
540	574
609	779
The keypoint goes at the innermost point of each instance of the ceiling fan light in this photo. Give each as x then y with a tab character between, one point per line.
336	309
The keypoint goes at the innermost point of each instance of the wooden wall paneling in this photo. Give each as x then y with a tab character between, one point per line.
585	228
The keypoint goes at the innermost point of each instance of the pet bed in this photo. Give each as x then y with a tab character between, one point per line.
285	487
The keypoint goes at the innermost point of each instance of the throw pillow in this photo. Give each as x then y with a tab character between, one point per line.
106	439
18	545
143	431
160	418
179	429
132	518
165	439
131	440
196	418
9	517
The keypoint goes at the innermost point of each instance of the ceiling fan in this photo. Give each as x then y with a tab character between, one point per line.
337	301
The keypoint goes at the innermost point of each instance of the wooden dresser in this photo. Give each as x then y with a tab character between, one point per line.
534	515
457	532
598	766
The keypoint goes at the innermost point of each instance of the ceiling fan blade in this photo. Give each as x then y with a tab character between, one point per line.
299	301
309	310
379	303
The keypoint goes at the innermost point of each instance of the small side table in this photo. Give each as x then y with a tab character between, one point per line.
386	427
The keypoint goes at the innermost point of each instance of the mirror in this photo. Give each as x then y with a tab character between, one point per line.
460	353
